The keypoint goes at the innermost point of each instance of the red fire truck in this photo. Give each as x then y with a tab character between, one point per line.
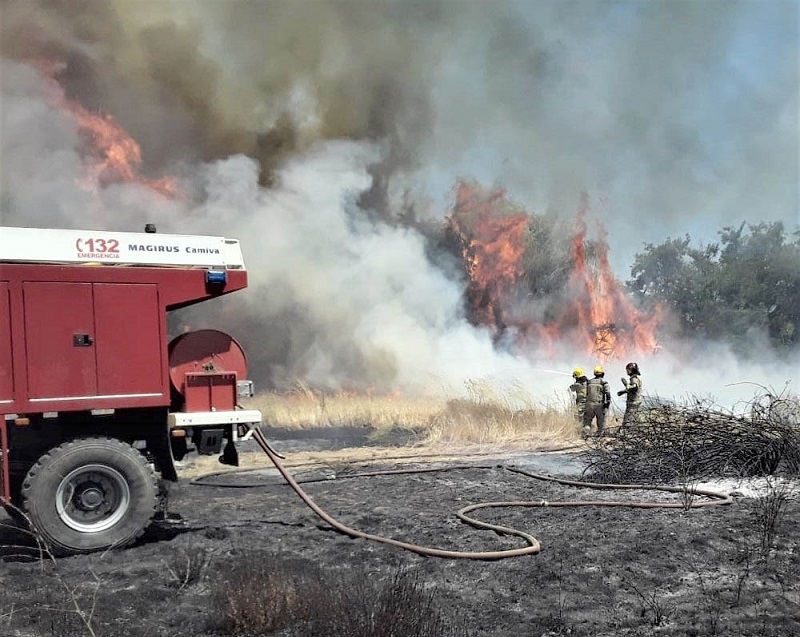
96	402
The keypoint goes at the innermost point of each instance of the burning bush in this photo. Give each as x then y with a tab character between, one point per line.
692	441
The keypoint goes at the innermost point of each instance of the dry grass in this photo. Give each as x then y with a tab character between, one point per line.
483	418
262	593
305	408
484	423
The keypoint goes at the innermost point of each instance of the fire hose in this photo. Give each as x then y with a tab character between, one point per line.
532	544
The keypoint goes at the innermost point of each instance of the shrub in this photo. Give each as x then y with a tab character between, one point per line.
768	509
683	442
264	594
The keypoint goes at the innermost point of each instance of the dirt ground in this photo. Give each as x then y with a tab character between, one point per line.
601	570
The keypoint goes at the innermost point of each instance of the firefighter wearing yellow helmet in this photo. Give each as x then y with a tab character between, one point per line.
578	388
598	400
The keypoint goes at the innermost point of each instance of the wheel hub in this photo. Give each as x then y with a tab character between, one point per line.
92	498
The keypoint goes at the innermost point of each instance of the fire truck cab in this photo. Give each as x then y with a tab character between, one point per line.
95	401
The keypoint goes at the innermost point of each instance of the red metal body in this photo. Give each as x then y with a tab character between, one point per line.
81	337
90	414
209	392
204	367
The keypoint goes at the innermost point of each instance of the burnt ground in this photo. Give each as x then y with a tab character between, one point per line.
601	570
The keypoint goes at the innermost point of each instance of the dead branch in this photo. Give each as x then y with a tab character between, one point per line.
696	440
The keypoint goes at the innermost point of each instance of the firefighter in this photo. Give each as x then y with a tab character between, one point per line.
579	389
632	393
598	400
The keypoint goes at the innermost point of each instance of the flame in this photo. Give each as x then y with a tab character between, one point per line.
599	316
109	153
492	245
113	156
601	312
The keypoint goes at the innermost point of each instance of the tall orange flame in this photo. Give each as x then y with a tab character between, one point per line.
109	153
113	156
492	245
606	319
599	316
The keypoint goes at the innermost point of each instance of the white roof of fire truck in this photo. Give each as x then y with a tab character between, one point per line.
35	245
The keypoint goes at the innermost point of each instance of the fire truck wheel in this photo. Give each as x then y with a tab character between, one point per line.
90	494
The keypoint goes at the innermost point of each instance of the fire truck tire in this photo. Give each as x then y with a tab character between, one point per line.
90	494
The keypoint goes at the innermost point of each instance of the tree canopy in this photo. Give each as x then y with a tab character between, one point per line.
736	290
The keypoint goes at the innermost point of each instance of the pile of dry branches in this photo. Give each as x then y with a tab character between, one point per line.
693	441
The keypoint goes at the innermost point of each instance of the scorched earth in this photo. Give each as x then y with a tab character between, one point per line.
241	553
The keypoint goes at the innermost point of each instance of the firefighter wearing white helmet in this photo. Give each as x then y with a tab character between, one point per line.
598	399
632	393
578	388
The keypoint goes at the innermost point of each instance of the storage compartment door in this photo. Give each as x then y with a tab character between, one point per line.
129	339
6	368
59	340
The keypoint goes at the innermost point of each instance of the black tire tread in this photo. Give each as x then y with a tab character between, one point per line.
44	461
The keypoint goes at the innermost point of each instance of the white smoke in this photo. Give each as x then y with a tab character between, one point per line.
43	165
376	307
282	120
40	162
380	310
715	375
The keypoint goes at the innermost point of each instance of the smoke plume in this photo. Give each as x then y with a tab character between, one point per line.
329	137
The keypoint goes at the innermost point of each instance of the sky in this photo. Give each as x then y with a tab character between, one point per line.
310	129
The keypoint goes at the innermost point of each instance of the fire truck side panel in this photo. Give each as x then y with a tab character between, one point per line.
6	369
57	315
129	339
93	337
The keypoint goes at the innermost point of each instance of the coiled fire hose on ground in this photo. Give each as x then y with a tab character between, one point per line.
532	544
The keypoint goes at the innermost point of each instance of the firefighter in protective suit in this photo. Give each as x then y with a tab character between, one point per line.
632	393
598	400
579	389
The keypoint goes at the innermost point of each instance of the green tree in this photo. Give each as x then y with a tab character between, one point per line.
749	281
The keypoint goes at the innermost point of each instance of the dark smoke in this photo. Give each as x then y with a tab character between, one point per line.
328	137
